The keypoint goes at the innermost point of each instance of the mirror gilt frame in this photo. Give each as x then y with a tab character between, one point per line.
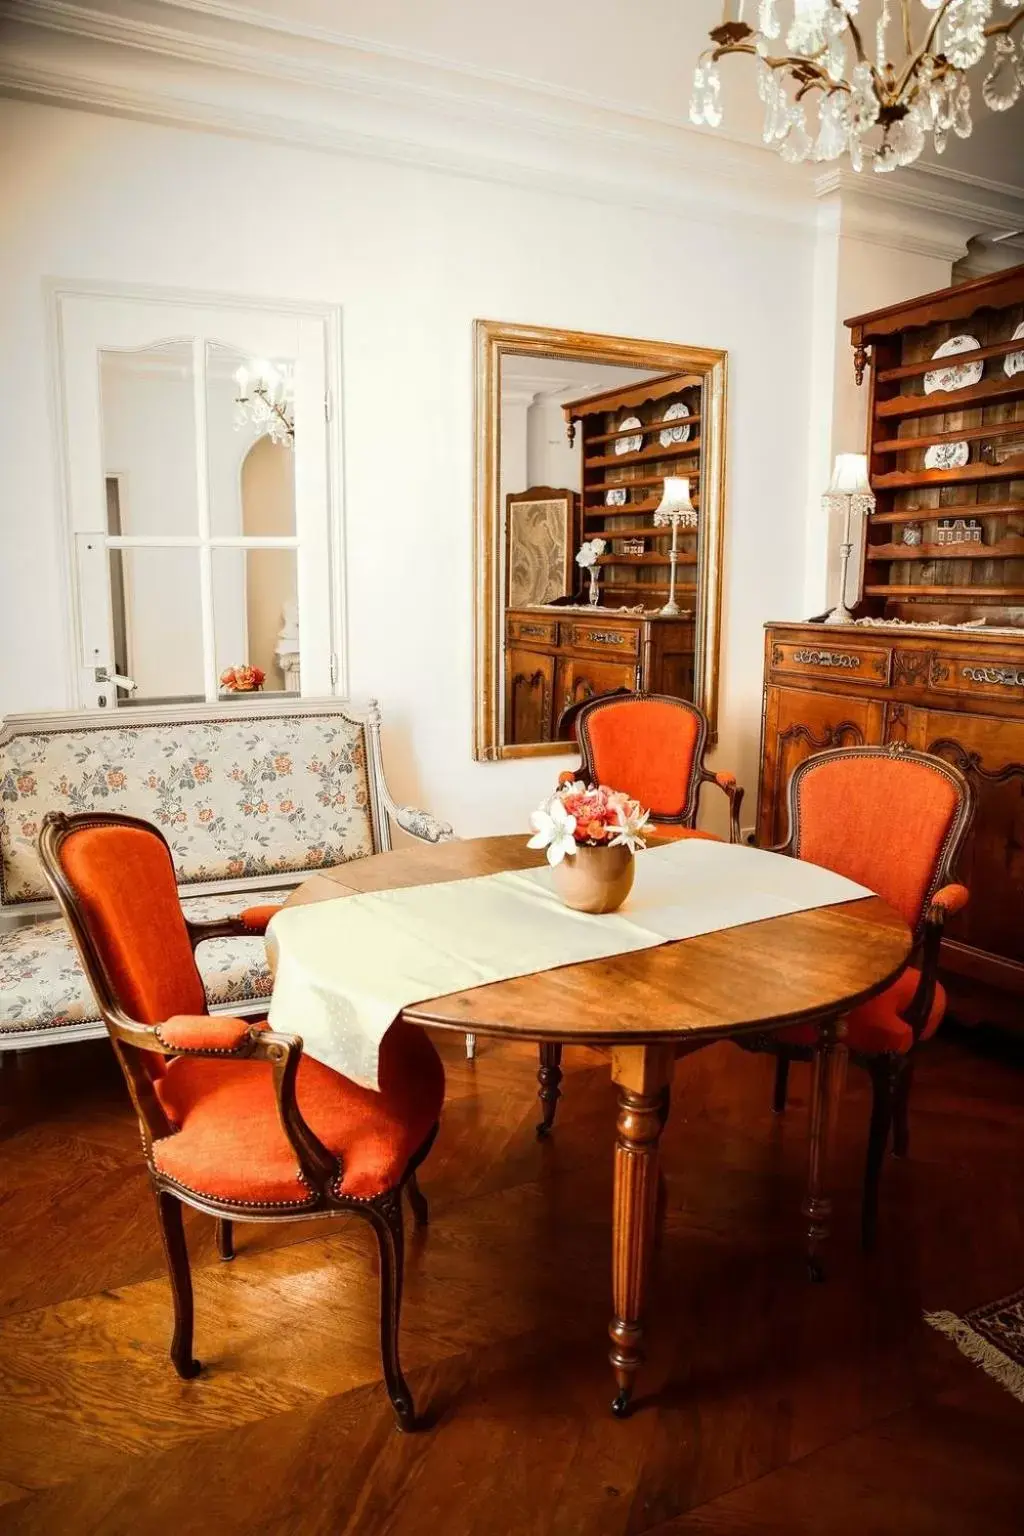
495	340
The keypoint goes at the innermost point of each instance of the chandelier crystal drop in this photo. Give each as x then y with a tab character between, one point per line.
839	91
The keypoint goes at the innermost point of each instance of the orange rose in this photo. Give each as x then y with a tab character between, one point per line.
596	831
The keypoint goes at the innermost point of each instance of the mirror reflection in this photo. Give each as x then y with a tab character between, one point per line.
600	515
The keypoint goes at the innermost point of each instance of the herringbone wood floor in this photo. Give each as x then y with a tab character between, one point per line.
768	1405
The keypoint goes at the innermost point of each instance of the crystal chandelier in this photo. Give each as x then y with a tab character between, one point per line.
881	102
266	399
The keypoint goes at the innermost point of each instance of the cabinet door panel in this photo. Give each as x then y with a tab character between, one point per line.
528	696
797	724
583	677
991	754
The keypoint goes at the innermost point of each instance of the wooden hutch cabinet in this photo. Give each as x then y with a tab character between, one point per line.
555	657
948	675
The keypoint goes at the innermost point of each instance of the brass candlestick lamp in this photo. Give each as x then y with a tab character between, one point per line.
675	510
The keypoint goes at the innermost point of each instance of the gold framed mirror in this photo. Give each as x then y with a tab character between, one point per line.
600	501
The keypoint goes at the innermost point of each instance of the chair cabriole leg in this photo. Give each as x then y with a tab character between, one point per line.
901	1108
385	1216
883	1072
549	1076
172	1231
829	1075
781	1085
417	1200
225	1239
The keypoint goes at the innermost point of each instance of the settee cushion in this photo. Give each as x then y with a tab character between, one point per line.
42	985
236	797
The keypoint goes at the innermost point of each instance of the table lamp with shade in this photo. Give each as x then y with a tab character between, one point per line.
850	490
675	510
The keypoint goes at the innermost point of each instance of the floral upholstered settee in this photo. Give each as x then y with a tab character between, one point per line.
252	797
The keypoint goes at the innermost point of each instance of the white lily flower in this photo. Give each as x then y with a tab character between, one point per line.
630	833
553	830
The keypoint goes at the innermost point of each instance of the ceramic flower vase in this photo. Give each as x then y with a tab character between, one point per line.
595	879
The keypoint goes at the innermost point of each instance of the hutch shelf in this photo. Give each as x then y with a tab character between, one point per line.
630	440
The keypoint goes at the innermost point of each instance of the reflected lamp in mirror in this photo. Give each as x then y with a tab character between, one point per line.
849	491
675	511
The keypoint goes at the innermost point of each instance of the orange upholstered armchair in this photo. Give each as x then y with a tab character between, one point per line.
235	1121
652	746
894	820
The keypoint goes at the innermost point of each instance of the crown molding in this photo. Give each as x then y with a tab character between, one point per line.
214	66
348	97
915	210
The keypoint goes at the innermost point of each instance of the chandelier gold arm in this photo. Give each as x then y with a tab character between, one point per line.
814	76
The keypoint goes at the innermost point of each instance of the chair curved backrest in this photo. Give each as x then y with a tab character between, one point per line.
888	817
651	746
114	881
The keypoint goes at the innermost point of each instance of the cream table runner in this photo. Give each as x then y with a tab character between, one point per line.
345	969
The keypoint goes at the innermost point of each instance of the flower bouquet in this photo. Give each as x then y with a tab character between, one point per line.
590	836
242	679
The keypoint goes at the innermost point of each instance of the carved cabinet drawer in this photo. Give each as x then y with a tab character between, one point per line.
602	639
982	676
541	631
858	663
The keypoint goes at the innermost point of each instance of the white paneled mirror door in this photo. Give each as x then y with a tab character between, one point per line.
198	479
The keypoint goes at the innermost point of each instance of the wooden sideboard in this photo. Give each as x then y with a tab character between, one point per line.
555	657
957	693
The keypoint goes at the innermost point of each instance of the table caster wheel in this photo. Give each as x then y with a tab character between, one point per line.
621	1407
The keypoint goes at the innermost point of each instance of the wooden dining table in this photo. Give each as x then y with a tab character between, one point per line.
647	1008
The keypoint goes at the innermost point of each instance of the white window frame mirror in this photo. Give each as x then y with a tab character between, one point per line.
94	322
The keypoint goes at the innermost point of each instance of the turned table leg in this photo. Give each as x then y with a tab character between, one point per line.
642	1074
829	1077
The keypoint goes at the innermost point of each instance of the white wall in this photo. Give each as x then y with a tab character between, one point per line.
552	458
412	257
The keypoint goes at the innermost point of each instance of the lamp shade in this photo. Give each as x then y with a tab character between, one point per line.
675	504
850	476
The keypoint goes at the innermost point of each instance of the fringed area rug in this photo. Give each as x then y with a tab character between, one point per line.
991	1336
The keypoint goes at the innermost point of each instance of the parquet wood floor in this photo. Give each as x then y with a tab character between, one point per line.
768	1405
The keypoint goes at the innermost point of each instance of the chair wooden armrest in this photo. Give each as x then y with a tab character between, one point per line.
945	902
252	923
249	1041
726	782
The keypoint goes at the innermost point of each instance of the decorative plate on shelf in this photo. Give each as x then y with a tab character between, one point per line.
947	456
1013	362
616	498
630	444
960	375
912	534
669	435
